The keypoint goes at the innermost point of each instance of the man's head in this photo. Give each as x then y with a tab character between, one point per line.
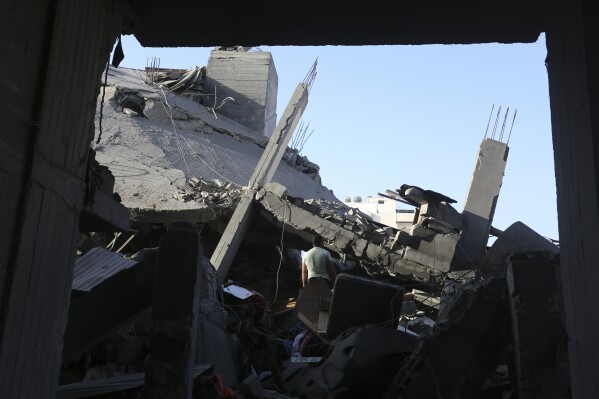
317	241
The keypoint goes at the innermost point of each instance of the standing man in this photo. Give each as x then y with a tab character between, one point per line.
318	263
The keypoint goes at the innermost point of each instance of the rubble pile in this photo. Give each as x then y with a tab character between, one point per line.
302	163
215	193
208	294
188	82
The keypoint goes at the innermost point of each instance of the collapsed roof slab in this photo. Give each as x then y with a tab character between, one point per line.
148	192
153	155
303	223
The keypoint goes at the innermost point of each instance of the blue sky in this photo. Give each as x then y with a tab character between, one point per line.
388	115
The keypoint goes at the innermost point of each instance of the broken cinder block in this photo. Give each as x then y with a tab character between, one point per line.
278	189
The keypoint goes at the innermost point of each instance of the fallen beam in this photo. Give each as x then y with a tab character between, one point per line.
235	232
303	223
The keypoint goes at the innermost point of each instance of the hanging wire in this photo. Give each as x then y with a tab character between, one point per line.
179	134
281	249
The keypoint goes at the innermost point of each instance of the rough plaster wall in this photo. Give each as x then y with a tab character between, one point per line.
37	290
573	46
22	51
246	77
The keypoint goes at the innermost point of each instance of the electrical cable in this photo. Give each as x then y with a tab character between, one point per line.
281	251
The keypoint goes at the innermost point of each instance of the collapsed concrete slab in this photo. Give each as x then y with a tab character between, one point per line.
154	150
426	257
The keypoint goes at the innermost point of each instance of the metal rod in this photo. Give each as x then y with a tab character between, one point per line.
489	122
504	121
496	122
311	75
513	120
127	242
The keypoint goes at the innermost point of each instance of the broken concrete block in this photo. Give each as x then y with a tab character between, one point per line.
438	226
421	232
359	246
402	238
441	211
426	299
194	182
436	253
377	254
277	189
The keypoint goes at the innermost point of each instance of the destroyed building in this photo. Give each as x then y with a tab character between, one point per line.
54	49
179	164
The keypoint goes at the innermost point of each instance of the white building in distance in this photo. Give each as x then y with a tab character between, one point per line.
383	210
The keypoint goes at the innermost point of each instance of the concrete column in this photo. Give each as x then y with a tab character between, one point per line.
175	314
271	157
252	80
538	329
573	62
480	204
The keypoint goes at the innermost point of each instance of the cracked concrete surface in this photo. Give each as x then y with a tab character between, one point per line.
371	247
153	155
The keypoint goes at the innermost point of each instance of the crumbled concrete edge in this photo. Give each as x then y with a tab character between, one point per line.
340	239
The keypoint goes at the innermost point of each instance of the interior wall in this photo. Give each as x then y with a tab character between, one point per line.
23	48
573	50
56	52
